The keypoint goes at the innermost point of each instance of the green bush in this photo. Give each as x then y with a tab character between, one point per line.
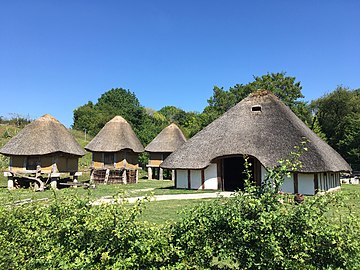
69	233
255	229
268	232
248	231
262	229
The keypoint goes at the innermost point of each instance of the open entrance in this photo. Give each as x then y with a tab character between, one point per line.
233	172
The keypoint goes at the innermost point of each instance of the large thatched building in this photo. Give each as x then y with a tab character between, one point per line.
43	150
115	150
266	130
166	142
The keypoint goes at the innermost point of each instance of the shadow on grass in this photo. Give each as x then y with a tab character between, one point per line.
164	188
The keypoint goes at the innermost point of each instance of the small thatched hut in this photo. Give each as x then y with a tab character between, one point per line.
44	149
115	150
266	130
166	142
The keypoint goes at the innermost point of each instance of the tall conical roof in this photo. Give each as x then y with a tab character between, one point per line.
167	141
116	135
261	126
43	136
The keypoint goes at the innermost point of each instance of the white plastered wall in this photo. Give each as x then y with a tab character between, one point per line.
288	185
263	173
211	177
306	183
182	179
329	181
195	179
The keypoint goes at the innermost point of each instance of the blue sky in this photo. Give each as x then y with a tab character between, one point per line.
55	55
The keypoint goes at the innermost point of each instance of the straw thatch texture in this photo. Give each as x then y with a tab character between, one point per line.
167	141
115	136
43	136
269	135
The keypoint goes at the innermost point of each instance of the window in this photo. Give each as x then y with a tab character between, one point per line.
256	108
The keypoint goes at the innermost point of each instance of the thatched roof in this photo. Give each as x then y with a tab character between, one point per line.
269	135
43	136
167	141
115	136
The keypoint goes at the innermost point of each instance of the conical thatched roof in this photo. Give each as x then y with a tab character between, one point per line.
167	141
116	135
43	136
269	135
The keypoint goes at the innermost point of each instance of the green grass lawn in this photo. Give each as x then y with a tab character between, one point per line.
352	201
162	212
142	188
157	212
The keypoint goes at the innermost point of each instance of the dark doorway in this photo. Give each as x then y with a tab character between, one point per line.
234	177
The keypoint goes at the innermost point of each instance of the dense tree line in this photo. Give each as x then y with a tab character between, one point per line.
338	115
335	117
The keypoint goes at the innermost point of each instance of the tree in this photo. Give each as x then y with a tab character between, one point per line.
189	122
317	129
173	114
284	87
116	101
119	101
87	118
338	114
150	127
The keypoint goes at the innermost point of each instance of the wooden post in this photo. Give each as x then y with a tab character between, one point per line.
189	179
173	175
161	174
316	183
38	171
137	176
257	172
10	182
124	177
92	160
326	181
175	180
106	176
75	182
202	179
25	162
10	163
219	175
53	183
92	175
150	175
296	182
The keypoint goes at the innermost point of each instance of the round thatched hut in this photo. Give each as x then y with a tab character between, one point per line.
266	130
166	142
43	149
115	150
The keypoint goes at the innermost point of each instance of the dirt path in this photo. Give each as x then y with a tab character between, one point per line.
168	197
